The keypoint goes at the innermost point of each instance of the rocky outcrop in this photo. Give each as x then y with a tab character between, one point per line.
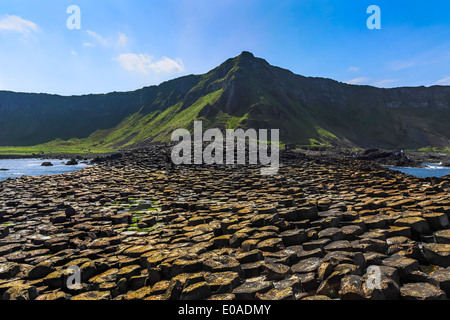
320	229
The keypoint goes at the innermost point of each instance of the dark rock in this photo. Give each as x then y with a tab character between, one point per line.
46	164
249	289
421	291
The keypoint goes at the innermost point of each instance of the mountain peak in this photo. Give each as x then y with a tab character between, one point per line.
246	55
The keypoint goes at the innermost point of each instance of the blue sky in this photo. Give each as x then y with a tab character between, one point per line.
125	45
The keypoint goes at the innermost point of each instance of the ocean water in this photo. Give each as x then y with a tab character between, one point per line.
32	167
430	170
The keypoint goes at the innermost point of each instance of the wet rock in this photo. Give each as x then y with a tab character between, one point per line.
72	162
46	164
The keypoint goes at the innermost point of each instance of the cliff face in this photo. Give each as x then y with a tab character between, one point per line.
243	92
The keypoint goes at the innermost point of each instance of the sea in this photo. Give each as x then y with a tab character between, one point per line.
429	170
32	167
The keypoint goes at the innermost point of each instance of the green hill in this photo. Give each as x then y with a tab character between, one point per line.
243	92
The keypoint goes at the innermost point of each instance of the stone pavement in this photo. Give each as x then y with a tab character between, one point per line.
316	230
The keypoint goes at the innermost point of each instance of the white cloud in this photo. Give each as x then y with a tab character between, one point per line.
358	80
402	64
102	41
144	63
121	40
443	82
17	24
383	83
353	69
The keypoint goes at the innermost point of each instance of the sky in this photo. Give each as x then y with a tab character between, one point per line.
123	45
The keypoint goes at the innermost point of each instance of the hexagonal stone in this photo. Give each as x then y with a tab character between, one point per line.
107	276
307	265
275	271
334	234
251	256
293	237
56	295
376	221
197	291
317	297
223	282
351	288
421	291
277	294
308	281
437	220
252	269
442	277
437	254
139	294
222	264
93	295
185	266
442	236
417	224
351	232
41	270
316	244
404	265
271	245
8	270
342	245
128	272
251	287
381	283
21	292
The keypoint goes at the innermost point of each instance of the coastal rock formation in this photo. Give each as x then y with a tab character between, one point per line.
322	228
